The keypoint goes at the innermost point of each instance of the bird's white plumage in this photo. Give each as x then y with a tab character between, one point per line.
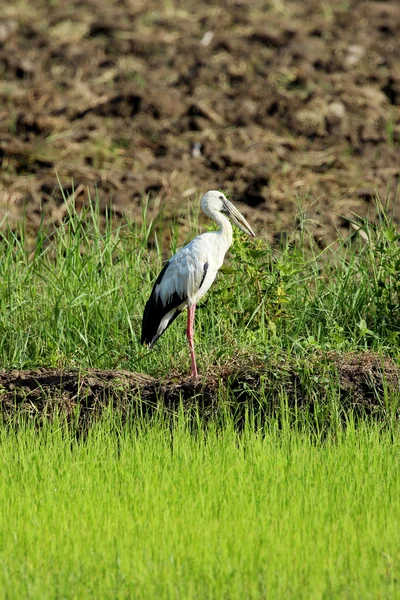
186	274
190	273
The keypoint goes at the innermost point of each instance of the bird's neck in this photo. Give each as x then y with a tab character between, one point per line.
225	230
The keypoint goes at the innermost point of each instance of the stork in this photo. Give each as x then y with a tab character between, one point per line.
189	274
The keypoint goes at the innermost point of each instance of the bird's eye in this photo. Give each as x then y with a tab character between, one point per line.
221	198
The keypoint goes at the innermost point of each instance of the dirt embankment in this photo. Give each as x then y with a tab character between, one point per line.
269	101
365	385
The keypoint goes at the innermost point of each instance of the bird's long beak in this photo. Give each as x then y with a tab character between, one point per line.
237	219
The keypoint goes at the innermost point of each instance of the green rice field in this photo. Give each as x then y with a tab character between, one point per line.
146	512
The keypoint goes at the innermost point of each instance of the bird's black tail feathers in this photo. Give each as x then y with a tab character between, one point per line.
151	322
155	311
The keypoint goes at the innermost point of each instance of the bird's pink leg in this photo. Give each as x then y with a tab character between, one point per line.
189	333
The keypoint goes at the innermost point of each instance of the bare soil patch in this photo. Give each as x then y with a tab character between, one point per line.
269	101
364	382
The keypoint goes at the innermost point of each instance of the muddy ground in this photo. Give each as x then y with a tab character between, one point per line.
271	101
365	384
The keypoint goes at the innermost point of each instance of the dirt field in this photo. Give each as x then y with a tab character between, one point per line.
270	101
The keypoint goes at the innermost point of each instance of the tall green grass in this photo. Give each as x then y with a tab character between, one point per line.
146	511
76	297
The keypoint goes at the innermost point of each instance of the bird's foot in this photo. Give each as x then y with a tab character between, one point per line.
195	375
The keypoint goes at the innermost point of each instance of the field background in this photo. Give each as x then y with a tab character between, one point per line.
270	101
276	473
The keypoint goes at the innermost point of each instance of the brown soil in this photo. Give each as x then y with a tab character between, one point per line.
365	383
270	101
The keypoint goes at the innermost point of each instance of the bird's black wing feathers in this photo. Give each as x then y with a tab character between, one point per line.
155	310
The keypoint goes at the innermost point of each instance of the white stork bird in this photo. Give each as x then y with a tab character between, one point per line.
189	274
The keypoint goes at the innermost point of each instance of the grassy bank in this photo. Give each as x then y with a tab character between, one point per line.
75	299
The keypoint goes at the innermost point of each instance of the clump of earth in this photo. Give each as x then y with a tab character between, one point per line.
291	108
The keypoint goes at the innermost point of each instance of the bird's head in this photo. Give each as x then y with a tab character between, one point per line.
216	201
